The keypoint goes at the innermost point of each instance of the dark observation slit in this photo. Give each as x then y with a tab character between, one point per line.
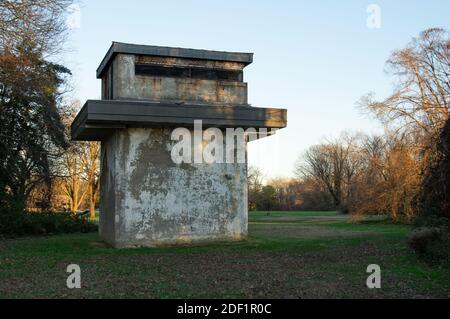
186	72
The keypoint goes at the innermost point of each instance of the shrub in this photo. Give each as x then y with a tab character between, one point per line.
432	221
439	251
19	224
344	210
431	243
421	238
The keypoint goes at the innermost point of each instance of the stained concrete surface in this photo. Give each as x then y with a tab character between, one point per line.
148	200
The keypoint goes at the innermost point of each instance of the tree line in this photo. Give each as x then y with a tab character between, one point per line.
395	173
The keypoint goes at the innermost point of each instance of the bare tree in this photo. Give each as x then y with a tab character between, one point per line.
318	164
41	22
79	169
255	185
287	193
388	180
421	99
333	165
414	114
90	160
73	177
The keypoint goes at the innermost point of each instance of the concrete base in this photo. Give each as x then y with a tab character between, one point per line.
148	200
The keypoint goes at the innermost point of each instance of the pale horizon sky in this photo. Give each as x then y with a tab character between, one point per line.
314	58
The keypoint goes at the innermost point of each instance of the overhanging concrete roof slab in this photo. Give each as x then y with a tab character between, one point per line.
151	50
98	118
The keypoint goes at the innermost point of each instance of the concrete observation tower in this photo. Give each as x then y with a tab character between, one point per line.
147	198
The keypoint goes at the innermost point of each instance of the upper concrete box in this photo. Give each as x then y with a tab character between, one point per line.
141	72
148	86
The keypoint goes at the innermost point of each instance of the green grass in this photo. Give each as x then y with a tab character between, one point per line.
287	255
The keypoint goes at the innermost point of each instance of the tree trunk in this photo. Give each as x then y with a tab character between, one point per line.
91	202
92	210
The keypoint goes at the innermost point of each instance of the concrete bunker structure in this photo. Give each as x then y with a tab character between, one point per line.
147	92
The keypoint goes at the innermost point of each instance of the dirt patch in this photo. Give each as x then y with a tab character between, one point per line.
300	219
294	231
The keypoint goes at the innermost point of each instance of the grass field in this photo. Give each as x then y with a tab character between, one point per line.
287	255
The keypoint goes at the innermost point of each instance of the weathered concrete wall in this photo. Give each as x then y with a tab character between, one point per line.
148	200
127	85
108	206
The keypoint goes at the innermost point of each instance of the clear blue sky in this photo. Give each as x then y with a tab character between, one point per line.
315	58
